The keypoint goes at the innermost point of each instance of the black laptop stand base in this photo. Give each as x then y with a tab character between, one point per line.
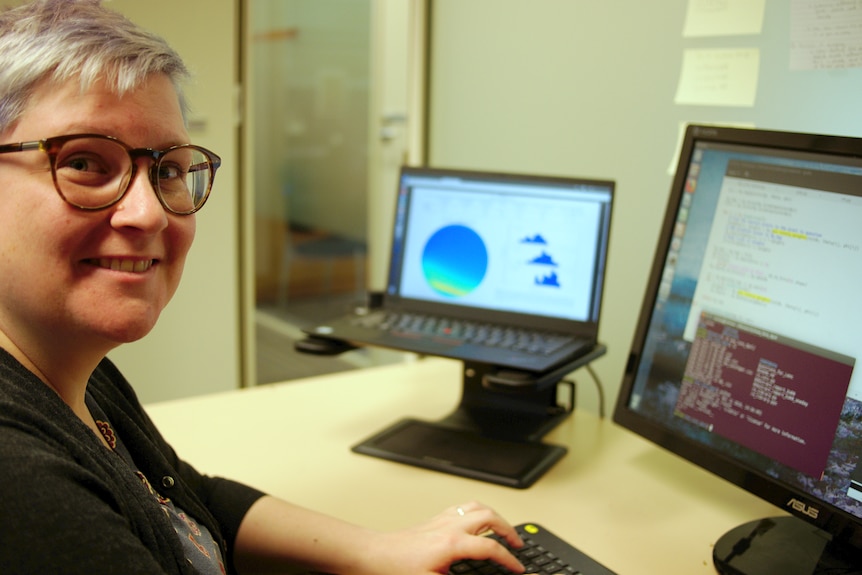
495	433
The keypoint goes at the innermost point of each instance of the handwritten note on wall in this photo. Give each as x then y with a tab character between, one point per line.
825	34
723	17
722	77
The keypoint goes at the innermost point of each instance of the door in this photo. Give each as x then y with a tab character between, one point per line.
327	121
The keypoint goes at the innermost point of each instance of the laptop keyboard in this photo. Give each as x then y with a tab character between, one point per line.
543	553
457	331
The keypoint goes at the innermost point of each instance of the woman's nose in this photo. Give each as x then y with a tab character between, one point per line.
140	206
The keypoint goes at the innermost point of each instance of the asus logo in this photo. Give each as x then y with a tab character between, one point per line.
801	507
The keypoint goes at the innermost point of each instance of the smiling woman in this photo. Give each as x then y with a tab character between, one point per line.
99	188
128	222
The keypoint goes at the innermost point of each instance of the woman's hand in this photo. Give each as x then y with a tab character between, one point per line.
275	535
454	534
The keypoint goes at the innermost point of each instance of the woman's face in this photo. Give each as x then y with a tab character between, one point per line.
71	278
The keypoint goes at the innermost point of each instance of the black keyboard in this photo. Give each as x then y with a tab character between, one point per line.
455	330
543	552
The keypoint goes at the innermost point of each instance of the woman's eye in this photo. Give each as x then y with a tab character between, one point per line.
84	163
169	172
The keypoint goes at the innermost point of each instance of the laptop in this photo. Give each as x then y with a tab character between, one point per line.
496	268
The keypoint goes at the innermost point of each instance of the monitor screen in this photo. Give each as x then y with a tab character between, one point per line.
743	360
501	242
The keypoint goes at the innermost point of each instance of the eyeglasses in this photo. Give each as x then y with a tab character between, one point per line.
93	172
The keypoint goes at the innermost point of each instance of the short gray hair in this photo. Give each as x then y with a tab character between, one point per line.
59	40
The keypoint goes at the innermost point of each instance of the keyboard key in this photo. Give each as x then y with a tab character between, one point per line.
456	331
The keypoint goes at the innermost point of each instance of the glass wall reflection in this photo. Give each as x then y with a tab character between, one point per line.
309	77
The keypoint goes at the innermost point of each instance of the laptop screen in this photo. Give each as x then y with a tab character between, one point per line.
517	244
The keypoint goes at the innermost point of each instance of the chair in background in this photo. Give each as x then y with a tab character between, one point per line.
329	250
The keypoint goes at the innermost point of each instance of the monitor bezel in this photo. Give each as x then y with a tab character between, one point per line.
837	522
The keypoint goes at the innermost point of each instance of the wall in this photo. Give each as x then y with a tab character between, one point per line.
587	89
195	348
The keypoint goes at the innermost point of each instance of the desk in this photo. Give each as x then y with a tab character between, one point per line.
629	504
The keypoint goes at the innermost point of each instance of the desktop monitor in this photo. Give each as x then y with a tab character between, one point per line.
743	359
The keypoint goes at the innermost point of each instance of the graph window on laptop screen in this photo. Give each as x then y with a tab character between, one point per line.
532	246
745	352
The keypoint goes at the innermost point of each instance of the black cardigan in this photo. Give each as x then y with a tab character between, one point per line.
69	505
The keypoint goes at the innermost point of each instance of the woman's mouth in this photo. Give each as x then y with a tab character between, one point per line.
123	264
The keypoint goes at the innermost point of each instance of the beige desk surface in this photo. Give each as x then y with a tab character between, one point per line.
630	505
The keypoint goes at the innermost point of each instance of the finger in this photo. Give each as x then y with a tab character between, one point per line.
486	520
494	551
506	531
468	507
481	519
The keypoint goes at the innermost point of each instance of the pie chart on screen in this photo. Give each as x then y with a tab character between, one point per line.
454	260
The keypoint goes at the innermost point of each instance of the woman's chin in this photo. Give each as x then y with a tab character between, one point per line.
129	329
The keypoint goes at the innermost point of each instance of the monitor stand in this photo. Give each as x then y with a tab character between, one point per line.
495	432
786	545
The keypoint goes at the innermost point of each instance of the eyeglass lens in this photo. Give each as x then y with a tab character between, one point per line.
95	172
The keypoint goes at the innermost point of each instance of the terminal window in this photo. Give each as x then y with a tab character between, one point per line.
773	395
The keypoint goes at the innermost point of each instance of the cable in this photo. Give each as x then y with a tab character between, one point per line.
599	389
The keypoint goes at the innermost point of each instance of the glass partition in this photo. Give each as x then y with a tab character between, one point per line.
308	110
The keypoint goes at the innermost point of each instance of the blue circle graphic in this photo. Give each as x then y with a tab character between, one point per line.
454	260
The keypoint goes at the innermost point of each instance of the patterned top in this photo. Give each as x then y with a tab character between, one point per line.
201	550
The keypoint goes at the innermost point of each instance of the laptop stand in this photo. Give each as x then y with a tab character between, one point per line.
495	433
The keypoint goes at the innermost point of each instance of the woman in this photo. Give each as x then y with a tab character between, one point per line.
98	189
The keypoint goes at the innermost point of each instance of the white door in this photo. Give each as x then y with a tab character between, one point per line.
397	112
